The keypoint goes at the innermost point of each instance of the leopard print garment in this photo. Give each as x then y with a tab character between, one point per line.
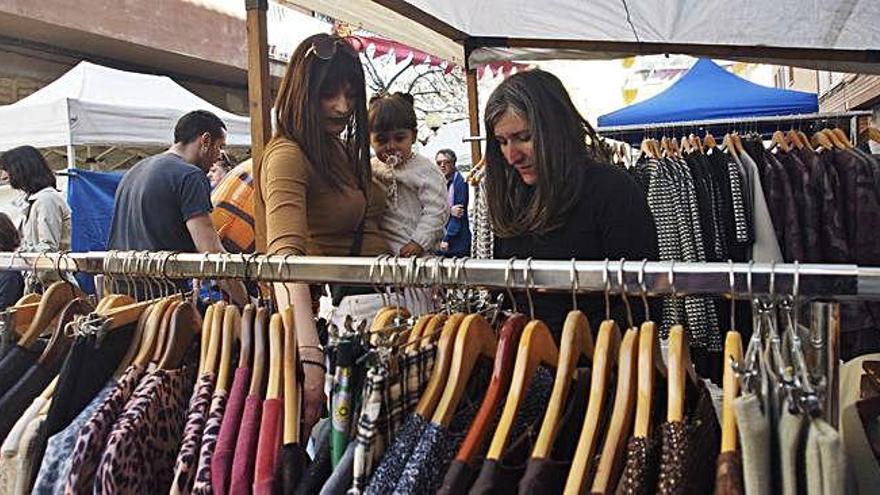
141	449
209	442
90	439
187	458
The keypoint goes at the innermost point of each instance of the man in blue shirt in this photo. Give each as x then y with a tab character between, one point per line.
457	241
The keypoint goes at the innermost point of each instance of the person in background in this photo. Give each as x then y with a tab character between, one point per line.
415	199
46	226
457	241
11	281
163	202
219	169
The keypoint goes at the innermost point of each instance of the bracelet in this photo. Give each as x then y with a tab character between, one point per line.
314	363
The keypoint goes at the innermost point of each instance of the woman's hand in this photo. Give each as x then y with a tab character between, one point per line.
313	395
412	248
457	211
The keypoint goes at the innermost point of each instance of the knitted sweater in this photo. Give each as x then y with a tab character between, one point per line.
417	209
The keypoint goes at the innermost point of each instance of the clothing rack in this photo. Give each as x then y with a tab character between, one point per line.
763	124
827	281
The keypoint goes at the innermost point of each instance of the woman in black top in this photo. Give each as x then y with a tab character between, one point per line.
552	193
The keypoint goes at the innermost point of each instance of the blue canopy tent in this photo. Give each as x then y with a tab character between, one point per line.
709	92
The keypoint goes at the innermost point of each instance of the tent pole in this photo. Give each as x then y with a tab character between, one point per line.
71	157
258	75
474	115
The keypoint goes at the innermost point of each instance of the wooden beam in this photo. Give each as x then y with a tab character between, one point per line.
474	115
259	90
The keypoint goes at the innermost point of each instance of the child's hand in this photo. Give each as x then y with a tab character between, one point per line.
412	248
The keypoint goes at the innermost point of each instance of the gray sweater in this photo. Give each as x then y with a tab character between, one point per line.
419	210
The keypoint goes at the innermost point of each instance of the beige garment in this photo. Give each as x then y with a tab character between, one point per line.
826	462
791	448
25	455
10	445
754	433
864	470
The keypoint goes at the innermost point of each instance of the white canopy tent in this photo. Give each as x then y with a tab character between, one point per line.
837	35
92	104
841	35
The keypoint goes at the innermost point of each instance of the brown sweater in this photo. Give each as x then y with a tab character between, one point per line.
297	212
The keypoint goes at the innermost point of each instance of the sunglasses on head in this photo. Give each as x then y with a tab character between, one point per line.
325	48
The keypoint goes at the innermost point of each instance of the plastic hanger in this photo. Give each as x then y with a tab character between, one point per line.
442	362
261	354
291	432
505	359
231	323
276	358
474	339
623	412
604	359
247	336
576	341
536	347
54	299
181	332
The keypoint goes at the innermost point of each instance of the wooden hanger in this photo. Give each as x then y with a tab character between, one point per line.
696	143
732	351
383	323
432	331
442	362
136	342
577	341
737	143
32	298
536	347
835	140
231	323
115	301
804	139
181	332
614	450
247	336
151	332
417	332
686	145
505	359
604	359
163	340
291	431
205	340
54	299
474	338
868	134
215	345
260	352
709	141
647	149
820	140
61	339
795	139
650	365
842	137
681	369
780	141
276	357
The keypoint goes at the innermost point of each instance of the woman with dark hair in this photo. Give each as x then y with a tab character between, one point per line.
11	281
551	192
46	214
314	194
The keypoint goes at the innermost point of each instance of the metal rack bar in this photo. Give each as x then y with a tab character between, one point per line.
782	119
840	282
